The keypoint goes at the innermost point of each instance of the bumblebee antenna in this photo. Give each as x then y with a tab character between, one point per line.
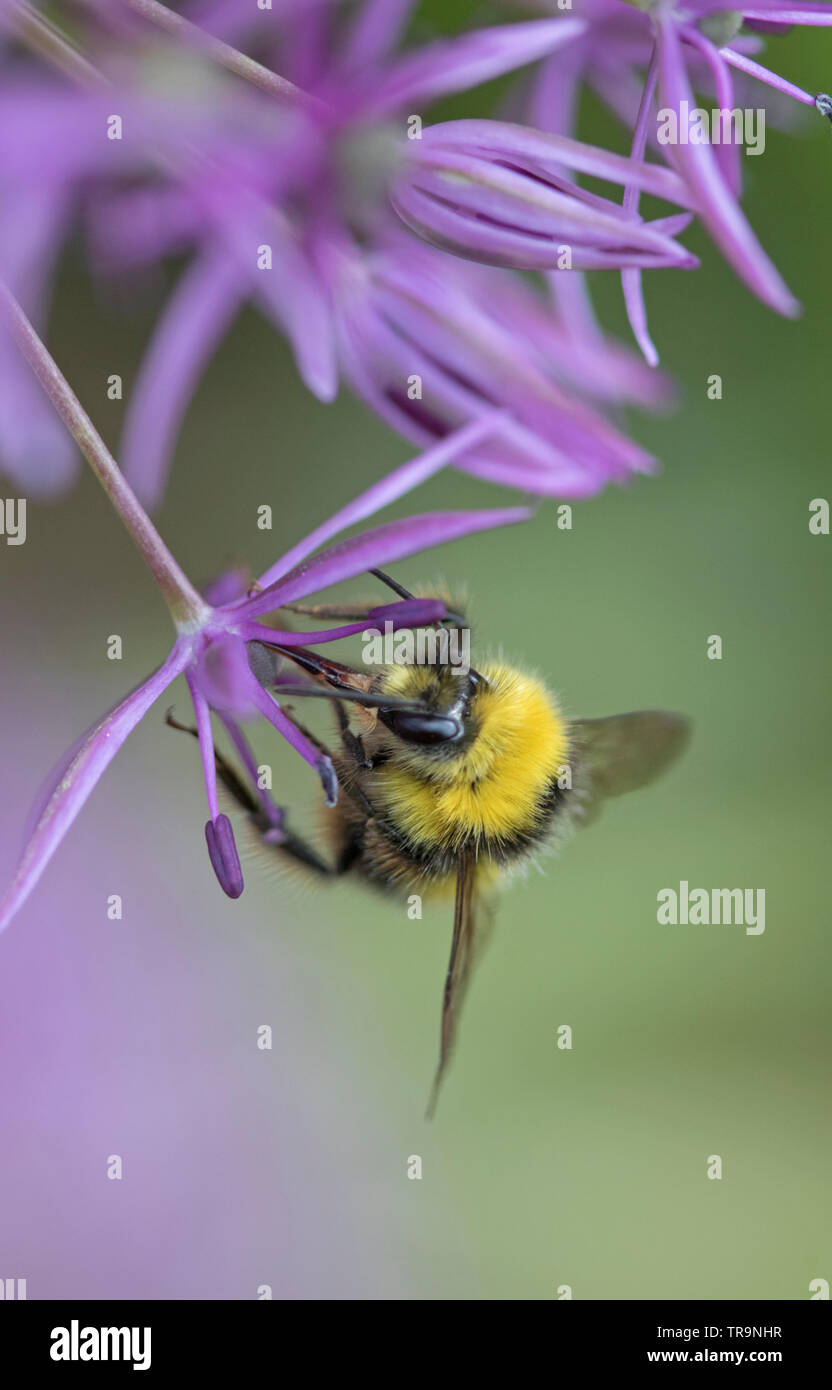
392	584
404	593
353	697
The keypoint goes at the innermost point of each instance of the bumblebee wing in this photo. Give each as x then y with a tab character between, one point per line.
622	753
472	923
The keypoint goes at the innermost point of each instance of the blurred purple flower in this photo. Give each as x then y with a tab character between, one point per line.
262	182
681	47
213	651
497	193
265	192
430	343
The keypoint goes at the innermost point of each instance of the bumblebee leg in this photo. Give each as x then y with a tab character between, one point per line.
351	743
227	774
355	750
288	843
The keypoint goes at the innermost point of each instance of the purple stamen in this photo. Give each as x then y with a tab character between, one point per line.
224	857
274	813
780	84
269	707
410	612
206	743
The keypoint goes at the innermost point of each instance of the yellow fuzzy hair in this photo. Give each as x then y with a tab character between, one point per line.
495	787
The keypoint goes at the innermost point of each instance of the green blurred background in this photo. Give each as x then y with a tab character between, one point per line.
544	1167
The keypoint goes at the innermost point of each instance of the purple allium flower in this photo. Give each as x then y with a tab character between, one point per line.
497	193
431	342
242	173
680	46
217	641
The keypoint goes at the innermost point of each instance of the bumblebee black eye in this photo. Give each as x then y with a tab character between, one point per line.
422	728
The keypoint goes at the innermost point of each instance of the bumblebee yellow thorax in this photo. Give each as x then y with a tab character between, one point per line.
494	792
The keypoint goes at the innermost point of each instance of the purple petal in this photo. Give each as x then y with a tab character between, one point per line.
519	472
411	612
549	152
717	207
36	450
221	673
462	332
380	546
778	13
480	210
376	30
406	614
541	465
309	751
763	74
727	155
206	741
631	281
637	314
227	587
73	780
453	65
185	338
291	291
273	813
401	481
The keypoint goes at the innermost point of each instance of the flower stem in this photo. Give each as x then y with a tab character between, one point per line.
44	38
187	607
178	27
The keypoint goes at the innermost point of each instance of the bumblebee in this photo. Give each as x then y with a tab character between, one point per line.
452	778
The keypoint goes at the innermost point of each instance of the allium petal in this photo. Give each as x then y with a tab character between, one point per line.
778	13
727	155
36	450
73	780
478	209
410	612
308	750
717	206
376	30
531	148
221	673
407	613
637	314
290	291
186	336
454	65
293	294
389	489
565	482
478	338
465	333
380	546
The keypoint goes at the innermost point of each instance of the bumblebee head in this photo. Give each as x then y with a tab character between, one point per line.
442	718
470	755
